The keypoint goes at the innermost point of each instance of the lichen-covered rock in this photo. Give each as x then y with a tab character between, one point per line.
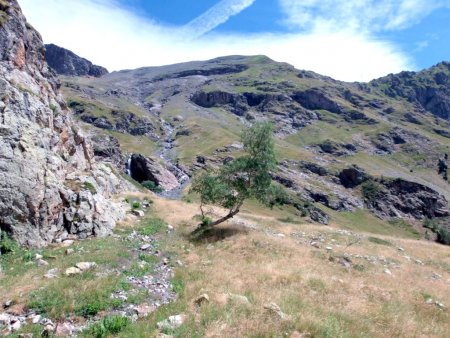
46	163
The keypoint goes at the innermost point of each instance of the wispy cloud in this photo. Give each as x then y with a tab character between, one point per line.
215	16
367	16
108	35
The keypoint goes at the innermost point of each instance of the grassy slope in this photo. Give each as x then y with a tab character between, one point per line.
247	256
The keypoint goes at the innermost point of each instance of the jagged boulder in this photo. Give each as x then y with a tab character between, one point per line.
399	198
352	177
143	169
65	62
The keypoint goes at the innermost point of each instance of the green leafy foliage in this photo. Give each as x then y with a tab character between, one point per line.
440	228
245	177
371	190
111	325
7	244
150	185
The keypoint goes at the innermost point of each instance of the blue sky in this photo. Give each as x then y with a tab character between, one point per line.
352	40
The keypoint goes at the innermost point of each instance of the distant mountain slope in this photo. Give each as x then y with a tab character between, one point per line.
194	111
65	62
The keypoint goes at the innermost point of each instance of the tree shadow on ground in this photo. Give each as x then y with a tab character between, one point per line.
215	234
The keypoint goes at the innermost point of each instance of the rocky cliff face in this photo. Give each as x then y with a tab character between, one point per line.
50	186
65	62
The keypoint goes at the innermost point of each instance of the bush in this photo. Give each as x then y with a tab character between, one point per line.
371	190
443	235
136	205
7	244
89	186
111	325
150	185
440	228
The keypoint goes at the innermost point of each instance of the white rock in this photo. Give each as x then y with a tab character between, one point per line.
388	272
41	262
38	256
4	319
172	322
36	319
329	248
67	242
16	326
84	266
72	271
51	273
145	247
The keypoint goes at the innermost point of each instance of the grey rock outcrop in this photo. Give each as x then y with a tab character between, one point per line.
147	169
401	198
65	62
50	185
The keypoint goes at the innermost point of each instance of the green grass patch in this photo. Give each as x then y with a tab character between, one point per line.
108	326
152	226
379	241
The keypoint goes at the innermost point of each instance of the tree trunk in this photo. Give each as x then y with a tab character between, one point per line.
202	227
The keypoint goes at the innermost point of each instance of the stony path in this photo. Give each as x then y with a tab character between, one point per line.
156	285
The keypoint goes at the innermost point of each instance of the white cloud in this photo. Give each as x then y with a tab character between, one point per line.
215	16
108	35
358	15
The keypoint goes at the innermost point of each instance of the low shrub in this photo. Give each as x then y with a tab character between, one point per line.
150	185
111	325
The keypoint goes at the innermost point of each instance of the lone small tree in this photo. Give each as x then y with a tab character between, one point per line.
243	178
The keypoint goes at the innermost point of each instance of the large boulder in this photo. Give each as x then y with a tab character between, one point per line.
352	176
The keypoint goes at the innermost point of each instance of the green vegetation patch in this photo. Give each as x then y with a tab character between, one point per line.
108	326
153	226
380	241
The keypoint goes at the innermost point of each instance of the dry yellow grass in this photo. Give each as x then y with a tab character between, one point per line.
321	297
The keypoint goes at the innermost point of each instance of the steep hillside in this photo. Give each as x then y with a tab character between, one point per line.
50	185
65	62
342	146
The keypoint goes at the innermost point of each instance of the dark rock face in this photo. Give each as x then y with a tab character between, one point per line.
65	62
108	148
316	99
429	88
286	112
352	177
222	70
147	169
403	198
314	168
121	121
319	216
336	149
214	99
